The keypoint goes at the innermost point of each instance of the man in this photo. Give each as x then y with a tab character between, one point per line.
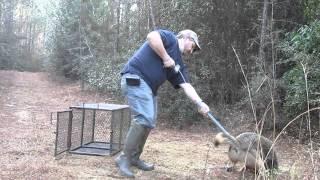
146	70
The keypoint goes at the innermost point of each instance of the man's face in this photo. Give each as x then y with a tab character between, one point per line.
189	46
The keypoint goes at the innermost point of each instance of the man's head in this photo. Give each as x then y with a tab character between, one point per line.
191	41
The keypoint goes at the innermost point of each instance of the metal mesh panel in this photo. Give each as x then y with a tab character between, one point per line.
76	128
102	126
62	132
88	126
120	125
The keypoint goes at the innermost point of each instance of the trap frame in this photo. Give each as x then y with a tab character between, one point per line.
92	129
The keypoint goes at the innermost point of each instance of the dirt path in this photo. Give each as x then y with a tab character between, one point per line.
28	136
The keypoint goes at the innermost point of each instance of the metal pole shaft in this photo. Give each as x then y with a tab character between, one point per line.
225	132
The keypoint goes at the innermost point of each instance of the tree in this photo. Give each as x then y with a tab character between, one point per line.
110	31
20	35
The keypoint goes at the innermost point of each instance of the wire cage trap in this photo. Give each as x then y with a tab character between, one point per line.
92	129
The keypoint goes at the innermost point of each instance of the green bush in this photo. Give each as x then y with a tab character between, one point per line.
302	51
104	74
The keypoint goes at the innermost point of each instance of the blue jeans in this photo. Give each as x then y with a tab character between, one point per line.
142	102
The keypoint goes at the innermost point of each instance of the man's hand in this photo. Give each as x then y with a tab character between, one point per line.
203	108
168	62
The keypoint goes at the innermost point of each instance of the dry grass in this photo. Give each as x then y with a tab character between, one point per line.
27	143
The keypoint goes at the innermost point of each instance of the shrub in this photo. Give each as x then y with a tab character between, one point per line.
301	50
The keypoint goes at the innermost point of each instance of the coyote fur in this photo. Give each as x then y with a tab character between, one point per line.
252	149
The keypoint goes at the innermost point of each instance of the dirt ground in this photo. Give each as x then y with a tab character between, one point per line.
28	139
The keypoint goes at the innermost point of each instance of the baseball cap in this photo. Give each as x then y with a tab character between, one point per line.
190	34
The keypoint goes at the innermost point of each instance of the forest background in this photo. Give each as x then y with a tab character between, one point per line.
261	57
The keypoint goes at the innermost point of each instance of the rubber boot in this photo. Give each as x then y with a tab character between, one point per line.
135	160
133	138
123	162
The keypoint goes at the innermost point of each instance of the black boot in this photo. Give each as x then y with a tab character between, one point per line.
123	161
133	147
135	160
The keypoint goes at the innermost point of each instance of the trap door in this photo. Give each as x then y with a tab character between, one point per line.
120	125
63	132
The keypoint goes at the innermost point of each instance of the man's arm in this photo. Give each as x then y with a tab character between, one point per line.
155	42
203	108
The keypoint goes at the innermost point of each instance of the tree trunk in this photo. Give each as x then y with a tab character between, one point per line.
8	16
1	11
152	15
127	20
81	15
118	27
139	18
263	33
